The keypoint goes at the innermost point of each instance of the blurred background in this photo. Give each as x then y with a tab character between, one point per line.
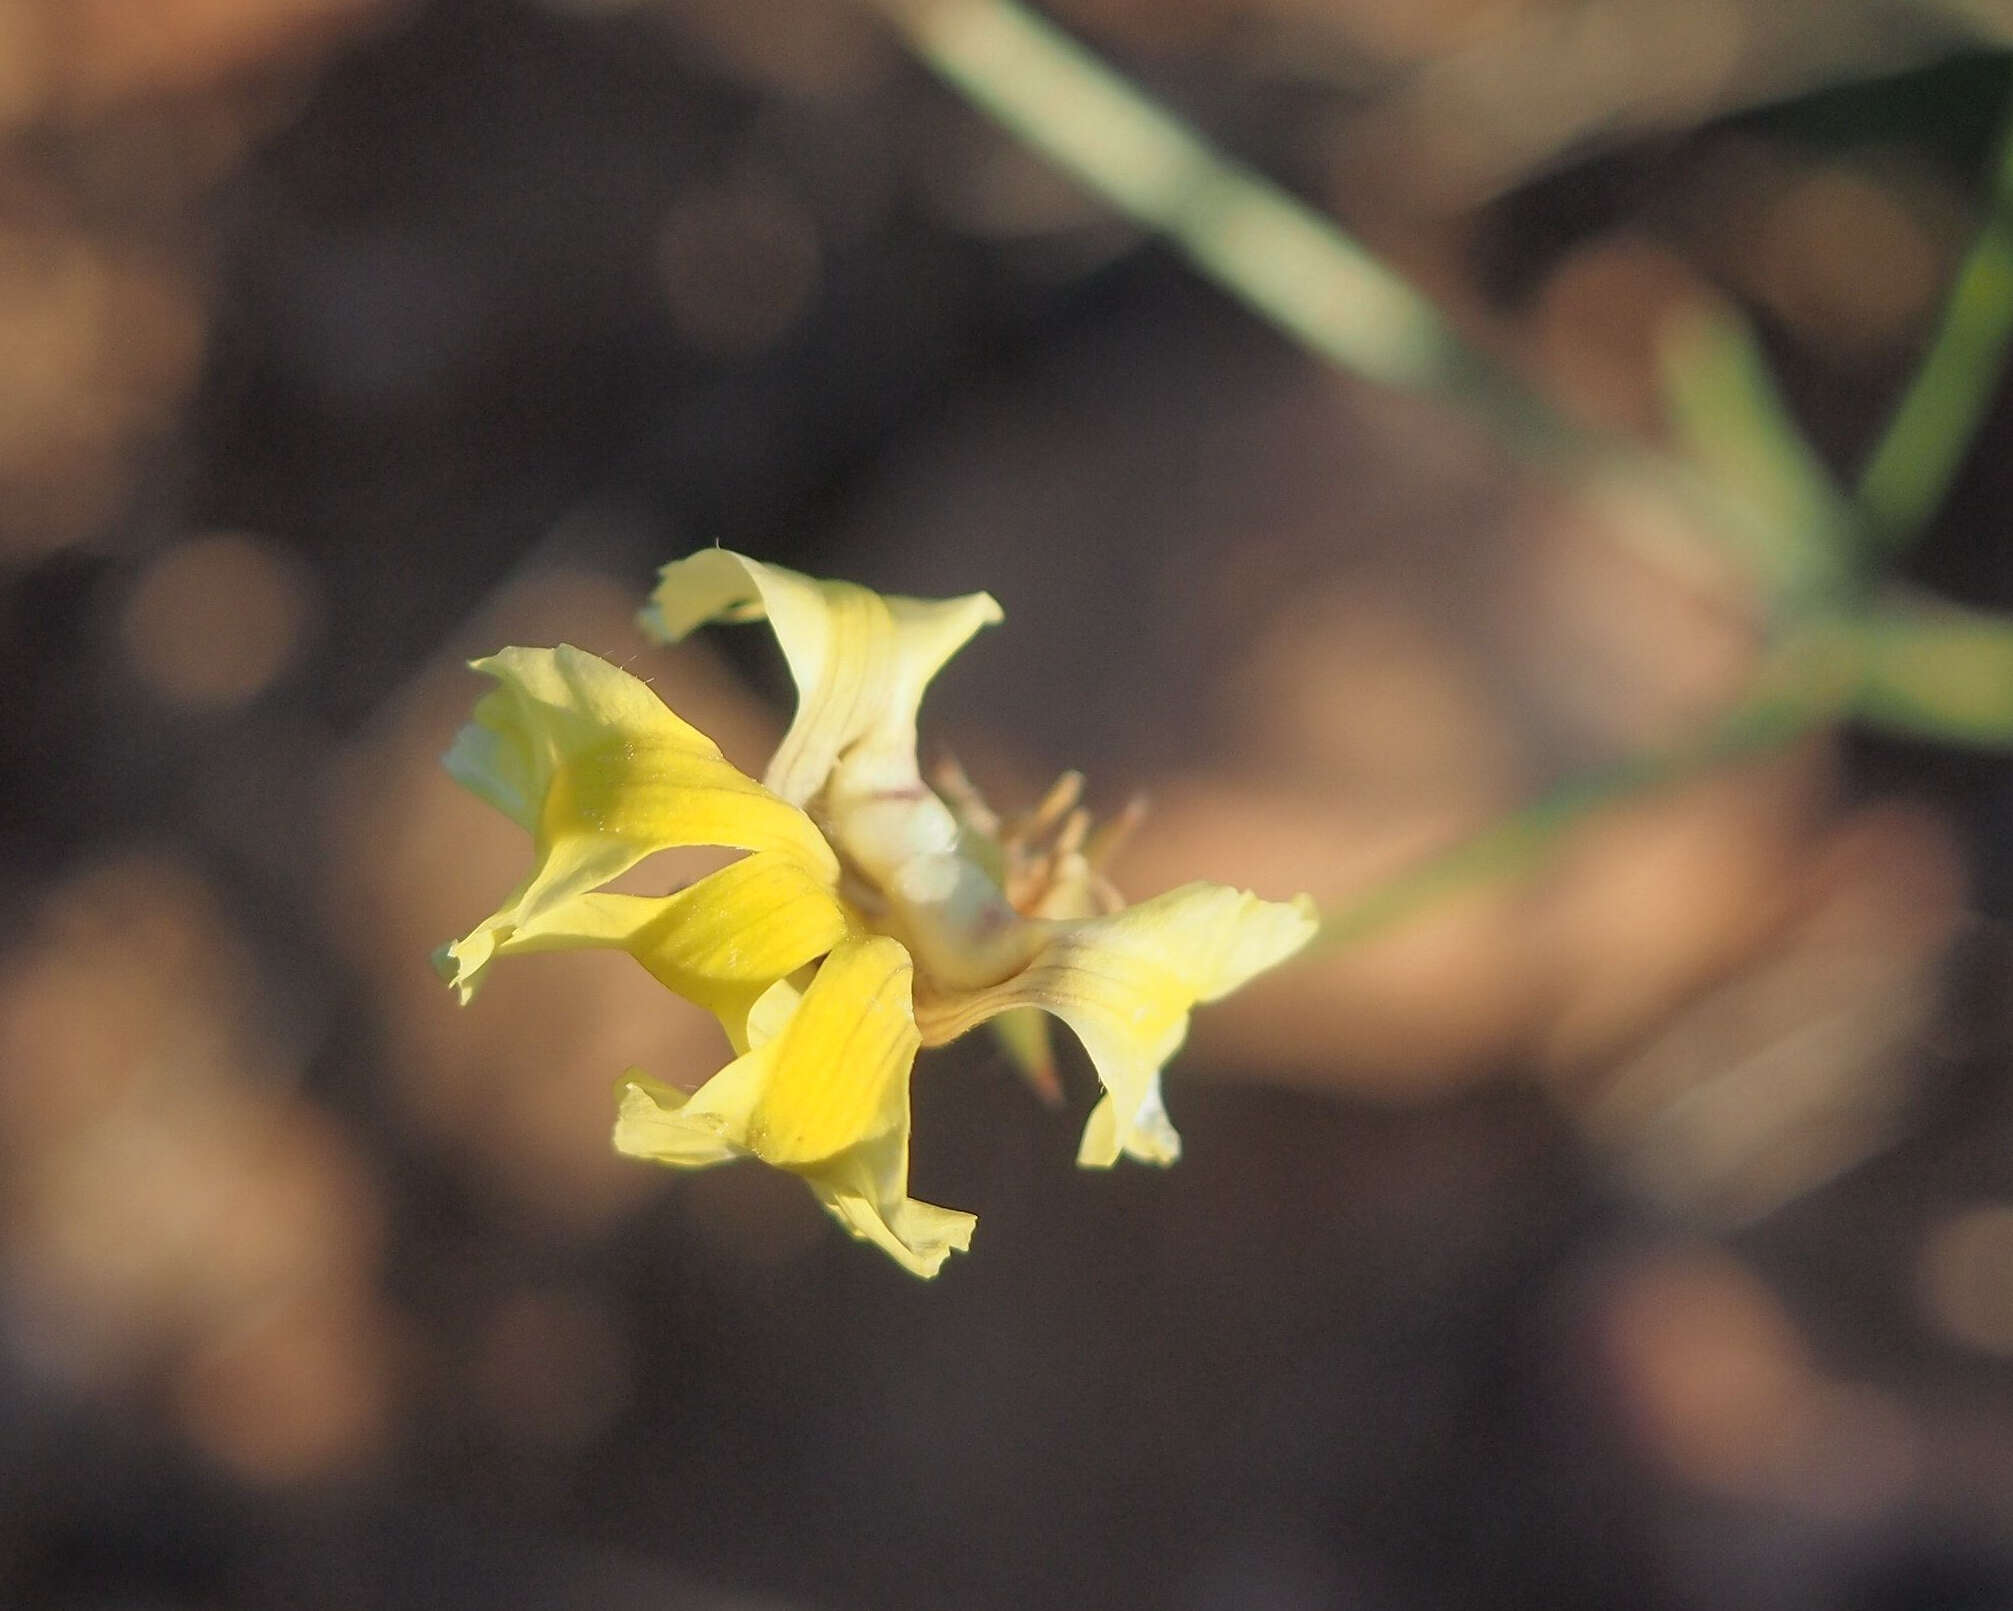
1637	1231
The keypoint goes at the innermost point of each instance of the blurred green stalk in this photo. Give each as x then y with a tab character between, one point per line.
1805	685
1937	671
1723	405
1304	275
1280	257
1936	421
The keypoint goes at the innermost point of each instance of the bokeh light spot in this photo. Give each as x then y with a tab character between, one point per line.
215	620
553	1368
1840	257
1715	1377
1967	1277
740	260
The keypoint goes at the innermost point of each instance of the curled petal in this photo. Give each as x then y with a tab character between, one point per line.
860	660
1125	984
826	1096
589	760
722	942
861	663
651	1122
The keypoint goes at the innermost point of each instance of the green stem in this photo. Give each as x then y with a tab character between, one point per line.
1931	669
1937	671
1736	428
1288	263
1802	690
1936	421
1298	270
1767	499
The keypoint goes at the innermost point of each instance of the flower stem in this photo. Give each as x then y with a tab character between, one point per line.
1937	671
1801	531
1937	419
1943	673
1299	271
1804	691
1283	259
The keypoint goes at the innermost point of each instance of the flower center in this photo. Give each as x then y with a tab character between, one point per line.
904	845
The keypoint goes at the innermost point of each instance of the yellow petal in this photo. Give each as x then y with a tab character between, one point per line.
918	1236
860	660
772	1011
650	1122
837	1076
1125	984
722	942
588	759
861	663
825	1096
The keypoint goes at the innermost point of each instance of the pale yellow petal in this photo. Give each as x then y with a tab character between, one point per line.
722	942
1125	984
825	1096
860	660
916	1235
651	1122
773	1010
590	761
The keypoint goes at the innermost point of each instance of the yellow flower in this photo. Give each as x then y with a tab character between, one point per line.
866	919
